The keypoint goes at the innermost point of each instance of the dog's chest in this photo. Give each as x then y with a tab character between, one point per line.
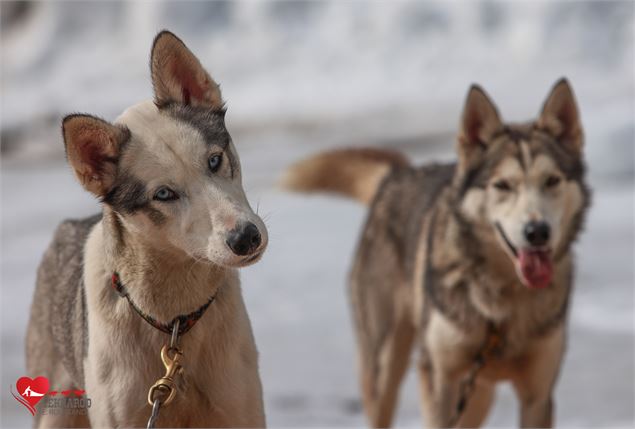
127	372
472	306
521	315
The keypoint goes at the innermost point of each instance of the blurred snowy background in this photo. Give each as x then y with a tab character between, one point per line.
300	77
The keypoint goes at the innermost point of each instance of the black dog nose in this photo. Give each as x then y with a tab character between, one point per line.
537	233
244	240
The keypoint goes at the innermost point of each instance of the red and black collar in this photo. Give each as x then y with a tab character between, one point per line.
186	321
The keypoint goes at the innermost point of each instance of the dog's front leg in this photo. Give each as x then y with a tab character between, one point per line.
537	413
439	394
445	358
536	378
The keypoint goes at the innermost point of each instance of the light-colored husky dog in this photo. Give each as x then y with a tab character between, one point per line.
175	227
472	261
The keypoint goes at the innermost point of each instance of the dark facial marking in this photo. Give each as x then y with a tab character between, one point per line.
568	162
496	149
478	174
518	134
209	122
127	195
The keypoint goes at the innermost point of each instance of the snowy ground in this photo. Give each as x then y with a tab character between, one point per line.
304	76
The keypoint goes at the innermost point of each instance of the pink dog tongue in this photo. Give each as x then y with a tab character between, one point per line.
536	268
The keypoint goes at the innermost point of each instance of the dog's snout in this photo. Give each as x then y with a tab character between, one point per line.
244	240
537	233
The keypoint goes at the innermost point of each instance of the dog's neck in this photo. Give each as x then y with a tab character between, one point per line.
164	282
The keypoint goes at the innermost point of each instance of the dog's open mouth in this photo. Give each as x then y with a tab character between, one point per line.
534	265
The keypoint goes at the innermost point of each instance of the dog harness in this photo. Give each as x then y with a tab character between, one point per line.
186	321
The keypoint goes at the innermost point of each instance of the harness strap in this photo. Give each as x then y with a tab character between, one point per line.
492	348
186	321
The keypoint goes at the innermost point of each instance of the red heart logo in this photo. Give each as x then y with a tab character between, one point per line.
31	391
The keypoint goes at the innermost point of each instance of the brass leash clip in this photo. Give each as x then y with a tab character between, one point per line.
166	385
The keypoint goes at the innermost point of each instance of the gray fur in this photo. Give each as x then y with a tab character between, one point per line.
127	195
386	261
209	122
57	329
435	264
393	224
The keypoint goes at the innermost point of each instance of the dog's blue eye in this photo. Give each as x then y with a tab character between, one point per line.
214	162
165	194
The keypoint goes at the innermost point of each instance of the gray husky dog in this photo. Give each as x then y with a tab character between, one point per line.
174	228
471	261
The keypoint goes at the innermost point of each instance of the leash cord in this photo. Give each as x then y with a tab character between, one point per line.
492	347
467	387
155	414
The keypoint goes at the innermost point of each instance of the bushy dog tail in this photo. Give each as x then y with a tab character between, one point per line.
355	173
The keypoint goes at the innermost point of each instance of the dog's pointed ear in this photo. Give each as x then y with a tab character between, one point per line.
560	116
480	120
93	147
178	76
